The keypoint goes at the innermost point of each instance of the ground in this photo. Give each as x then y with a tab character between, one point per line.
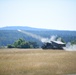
37	62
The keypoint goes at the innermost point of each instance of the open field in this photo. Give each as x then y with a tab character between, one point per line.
37	62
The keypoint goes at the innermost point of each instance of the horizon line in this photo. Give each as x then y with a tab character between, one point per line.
40	28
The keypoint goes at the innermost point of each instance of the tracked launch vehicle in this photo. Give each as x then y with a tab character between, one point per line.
53	45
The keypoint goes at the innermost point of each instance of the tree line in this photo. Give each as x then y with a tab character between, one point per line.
21	43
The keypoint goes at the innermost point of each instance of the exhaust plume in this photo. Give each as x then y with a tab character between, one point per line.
53	38
70	47
42	39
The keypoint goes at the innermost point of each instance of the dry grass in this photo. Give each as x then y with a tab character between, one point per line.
37	62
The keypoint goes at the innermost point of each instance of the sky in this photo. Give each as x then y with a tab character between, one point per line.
49	14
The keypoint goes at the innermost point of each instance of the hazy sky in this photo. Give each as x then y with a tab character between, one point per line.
51	14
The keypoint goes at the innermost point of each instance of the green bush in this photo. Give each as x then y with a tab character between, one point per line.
20	43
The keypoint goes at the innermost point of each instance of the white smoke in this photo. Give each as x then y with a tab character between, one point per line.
59	39
52	38
42	39
70	47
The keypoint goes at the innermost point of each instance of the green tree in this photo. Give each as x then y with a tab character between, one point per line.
18	43
25	45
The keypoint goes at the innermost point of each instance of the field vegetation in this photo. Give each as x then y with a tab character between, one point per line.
37	62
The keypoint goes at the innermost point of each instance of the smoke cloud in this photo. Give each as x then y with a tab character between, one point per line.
42	39
70	47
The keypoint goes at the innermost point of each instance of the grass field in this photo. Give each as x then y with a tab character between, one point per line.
37	62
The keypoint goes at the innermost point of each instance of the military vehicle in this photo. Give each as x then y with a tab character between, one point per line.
53	45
